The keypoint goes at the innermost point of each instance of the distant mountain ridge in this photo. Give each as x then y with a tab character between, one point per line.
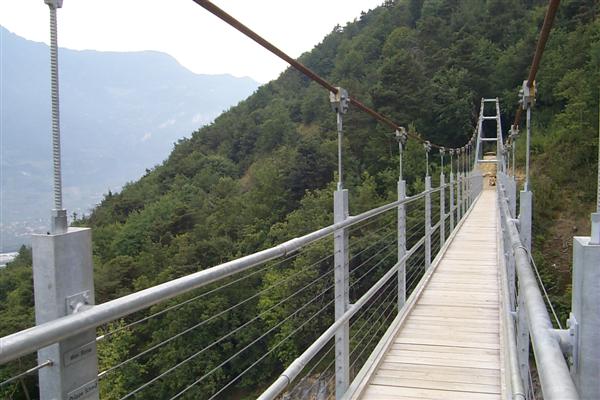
120	114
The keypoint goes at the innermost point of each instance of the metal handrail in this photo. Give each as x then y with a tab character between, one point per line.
552	367
27	341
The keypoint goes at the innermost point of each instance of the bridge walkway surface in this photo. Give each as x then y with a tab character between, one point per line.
448	344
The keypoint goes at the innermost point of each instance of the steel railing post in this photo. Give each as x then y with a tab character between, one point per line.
451	201
427	222
442	209
63	279
525	215
585	317
512	195
401	244
341	292
340	102
465	193
458	196
523	339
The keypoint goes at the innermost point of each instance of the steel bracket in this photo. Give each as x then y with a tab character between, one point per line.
573	329
340	100
78	302
401	135
527	95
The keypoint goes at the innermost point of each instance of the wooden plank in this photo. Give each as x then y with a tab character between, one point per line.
434	341
456	311
458	356
452	321
380	392
461	287
444	349
485	297
429	383
479	338
435	373
421	326
476	373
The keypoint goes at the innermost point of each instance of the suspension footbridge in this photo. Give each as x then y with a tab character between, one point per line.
434	295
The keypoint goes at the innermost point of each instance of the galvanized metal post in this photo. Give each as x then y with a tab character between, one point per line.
465	197
63	279
427	222
468	181
452	201
339	103
341	292
523	338
401	137
458	191
442	209
401	244
525	215
452	190
585	316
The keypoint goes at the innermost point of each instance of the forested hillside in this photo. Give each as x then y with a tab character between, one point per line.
263	172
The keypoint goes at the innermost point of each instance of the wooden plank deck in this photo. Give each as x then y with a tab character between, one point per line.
448	346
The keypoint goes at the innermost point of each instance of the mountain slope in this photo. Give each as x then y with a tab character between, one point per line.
121	113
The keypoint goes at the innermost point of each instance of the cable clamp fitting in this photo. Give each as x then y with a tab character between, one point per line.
527	95
427	146
401	135
339	101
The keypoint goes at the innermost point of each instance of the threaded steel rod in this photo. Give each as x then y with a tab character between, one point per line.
58	204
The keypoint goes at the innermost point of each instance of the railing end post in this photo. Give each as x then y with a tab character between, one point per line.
64	284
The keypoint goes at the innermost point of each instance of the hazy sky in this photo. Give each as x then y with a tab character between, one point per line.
181	28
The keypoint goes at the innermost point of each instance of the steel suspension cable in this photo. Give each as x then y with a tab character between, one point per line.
539	50
236	24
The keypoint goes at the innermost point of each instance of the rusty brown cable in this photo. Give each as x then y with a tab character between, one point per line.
230	20
539	50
